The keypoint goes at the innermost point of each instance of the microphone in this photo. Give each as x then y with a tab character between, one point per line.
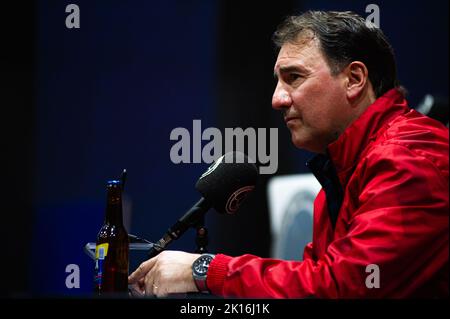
224	186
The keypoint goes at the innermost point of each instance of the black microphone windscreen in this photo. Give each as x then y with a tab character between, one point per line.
228	181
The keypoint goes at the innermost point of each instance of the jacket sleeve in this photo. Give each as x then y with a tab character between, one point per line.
399	224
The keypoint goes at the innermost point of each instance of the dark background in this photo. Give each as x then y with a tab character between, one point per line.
79	105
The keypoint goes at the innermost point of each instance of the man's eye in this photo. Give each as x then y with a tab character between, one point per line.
292	77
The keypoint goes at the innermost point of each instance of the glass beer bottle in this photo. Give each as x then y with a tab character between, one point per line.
112	247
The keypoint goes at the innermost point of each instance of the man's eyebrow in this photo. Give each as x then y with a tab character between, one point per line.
287	69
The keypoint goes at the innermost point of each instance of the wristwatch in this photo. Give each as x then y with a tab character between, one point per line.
199	271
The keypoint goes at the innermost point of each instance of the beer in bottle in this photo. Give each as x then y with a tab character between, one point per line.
111	252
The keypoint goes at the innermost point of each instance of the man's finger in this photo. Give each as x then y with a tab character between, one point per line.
135	291
149	283
141	283
142	270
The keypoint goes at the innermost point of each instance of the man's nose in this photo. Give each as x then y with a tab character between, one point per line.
281	99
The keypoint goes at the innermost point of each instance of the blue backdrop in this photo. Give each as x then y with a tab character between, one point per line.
108	96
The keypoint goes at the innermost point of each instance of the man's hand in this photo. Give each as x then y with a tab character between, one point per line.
169	272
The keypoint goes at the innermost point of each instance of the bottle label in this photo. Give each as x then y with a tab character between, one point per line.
101	251
100	254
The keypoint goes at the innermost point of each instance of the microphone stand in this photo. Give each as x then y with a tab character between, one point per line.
201	238
194	218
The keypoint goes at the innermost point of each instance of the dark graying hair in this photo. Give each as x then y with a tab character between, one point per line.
344	37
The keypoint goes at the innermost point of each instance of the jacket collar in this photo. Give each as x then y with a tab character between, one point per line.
345	152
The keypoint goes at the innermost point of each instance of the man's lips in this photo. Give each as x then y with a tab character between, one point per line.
290	119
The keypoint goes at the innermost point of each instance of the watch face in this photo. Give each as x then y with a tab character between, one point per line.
201	265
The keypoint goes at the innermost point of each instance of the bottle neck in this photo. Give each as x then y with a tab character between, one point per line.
113	213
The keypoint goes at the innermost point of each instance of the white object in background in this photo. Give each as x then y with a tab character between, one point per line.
291	199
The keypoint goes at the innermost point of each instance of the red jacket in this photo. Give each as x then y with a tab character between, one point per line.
392	164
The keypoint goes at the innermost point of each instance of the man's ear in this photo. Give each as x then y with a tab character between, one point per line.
358	76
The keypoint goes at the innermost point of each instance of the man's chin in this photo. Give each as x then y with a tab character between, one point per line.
298	142
303	144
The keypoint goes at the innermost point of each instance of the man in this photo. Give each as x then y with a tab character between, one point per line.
381	218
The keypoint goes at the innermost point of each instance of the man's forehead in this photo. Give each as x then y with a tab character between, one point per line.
299	54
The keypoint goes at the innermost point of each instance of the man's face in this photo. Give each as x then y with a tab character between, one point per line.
313	101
